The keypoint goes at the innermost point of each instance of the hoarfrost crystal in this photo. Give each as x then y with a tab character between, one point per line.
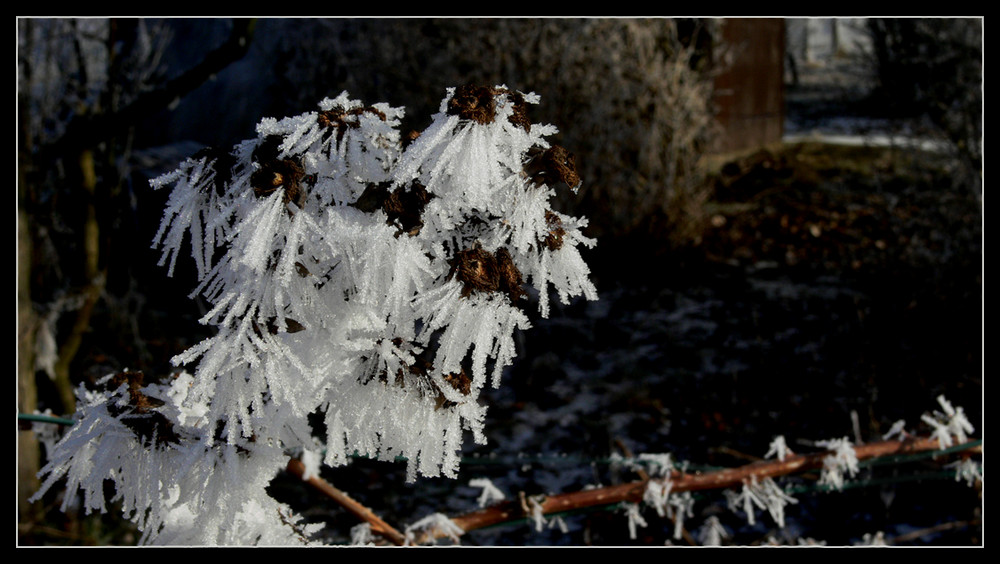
346	275
634	519
712	533
843	459
949	425
778	448
490	492
435	524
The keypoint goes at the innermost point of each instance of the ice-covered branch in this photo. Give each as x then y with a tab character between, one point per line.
375	524
637	491
346	276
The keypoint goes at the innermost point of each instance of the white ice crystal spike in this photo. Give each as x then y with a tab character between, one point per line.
386	421
467	158
843	459
682	506
969	470
425	149
765	494
949	426
635	519
255	237
778	448
657	494
536	512
361	535
941	431
898	428
435	524
659	464
484	324
525	223
186	210
712	533
490	492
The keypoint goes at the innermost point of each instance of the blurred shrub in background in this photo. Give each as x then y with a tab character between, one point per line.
635	94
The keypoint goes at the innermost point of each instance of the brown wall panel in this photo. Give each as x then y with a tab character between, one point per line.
750	92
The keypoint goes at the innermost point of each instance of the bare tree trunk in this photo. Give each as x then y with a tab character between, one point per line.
27	392
91	292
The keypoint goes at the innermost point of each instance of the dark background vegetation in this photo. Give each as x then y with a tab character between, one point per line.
774	290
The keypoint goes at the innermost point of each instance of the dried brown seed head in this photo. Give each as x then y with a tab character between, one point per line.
481	271
286	173
520	115
460	381
510	276
478	103
340	119
403	206
140	415
552	166
416	376
554	238
475	268
474	103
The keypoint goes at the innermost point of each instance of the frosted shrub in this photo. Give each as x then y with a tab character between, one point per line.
349	277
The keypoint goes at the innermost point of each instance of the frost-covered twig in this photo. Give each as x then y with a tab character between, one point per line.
949	526
635	492
375	523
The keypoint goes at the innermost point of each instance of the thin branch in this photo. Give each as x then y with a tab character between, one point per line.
378	526
950	526
680	482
